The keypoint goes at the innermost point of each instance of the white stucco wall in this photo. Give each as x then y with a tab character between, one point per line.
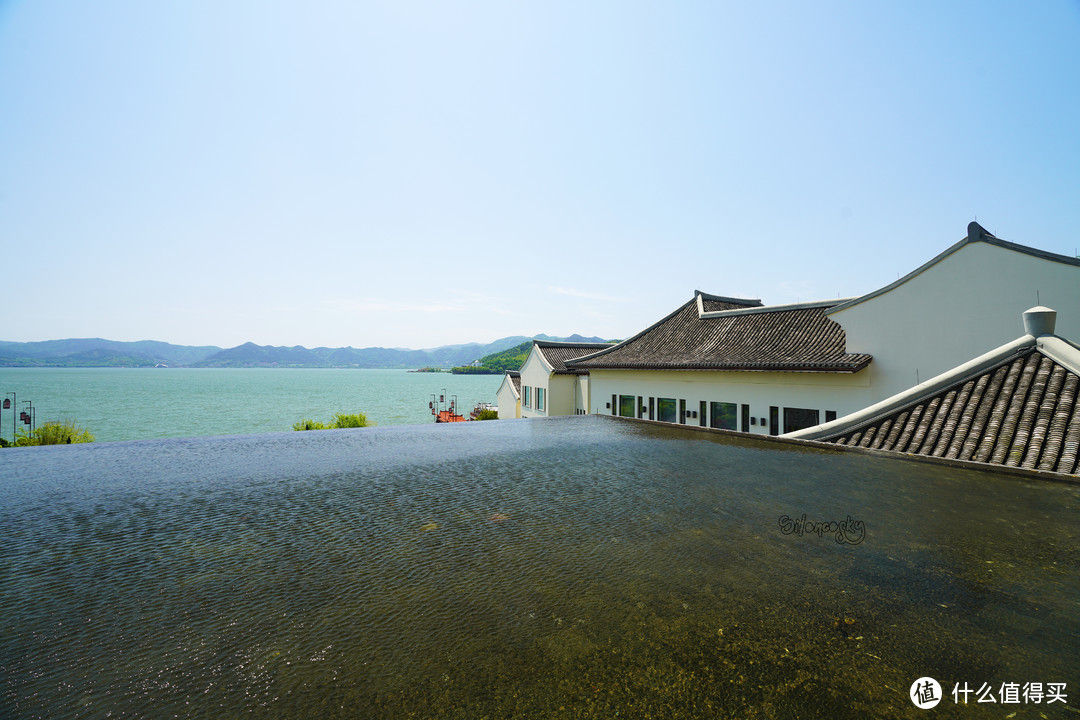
562	393
963	306
508	402
839	392
561	389
581	395
534	373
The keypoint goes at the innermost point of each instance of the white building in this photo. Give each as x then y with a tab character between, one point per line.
508	395
548	386
1016	406
735	364
956	306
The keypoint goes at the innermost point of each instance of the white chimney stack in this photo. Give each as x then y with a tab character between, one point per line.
1040	321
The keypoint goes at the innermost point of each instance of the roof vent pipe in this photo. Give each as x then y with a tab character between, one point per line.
1040	321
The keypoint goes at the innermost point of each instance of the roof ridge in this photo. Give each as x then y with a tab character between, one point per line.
727	298
553	343
809	305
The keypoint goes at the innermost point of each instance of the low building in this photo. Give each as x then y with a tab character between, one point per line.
548	386
733	364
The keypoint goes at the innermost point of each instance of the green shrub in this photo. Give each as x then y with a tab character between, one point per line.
357	420
56	432
487	415
306	424
340	422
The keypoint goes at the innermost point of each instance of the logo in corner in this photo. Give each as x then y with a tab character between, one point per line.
925	693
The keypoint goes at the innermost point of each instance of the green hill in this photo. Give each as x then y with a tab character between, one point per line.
513	358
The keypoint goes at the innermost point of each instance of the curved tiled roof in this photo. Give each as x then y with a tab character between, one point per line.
750	338
557	354
1025	412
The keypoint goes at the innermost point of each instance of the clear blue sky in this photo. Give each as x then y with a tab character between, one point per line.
413	174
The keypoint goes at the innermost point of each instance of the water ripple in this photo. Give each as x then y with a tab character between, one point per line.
509	569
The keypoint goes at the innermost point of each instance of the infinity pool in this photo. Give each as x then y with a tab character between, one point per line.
579	567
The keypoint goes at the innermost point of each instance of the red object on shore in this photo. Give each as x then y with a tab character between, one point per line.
447	416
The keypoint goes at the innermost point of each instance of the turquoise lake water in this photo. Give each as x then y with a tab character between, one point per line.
132	404
577	567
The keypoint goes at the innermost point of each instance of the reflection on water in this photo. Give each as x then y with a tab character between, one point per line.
564	568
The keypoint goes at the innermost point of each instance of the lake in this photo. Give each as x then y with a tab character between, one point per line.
130	404
576	567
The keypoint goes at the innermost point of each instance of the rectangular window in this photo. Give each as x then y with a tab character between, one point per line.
666	409
799	418
774	420
539	398
652	409
526	396
626	405
701	413
830	415
614	404
746	418
640	407
682	411
725	416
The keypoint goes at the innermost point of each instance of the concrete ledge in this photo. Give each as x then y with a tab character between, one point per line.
832	447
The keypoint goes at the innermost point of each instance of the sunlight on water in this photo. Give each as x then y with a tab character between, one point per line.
571	567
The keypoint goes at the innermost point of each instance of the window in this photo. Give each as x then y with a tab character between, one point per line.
666	407
539	398
725	416
799	418
746	419
652	409
526	396
774	420
701	413
626	405
682	411
830	415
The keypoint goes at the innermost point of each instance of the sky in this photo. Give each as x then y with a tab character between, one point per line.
415	174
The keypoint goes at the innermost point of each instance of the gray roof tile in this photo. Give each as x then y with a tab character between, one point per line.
1025	412
557	354
791	339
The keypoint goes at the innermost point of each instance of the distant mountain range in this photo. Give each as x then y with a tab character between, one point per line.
96	352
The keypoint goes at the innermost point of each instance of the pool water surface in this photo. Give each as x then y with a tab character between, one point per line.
579	567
